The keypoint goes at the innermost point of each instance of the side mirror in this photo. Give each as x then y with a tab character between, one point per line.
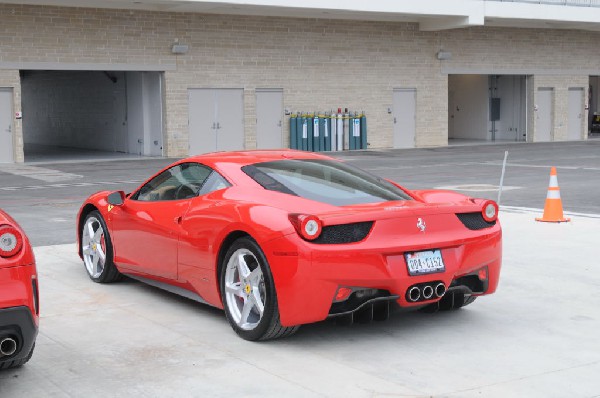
116	198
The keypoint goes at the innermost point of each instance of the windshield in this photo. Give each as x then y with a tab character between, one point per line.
326	181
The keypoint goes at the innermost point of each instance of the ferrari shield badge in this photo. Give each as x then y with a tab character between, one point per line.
421	224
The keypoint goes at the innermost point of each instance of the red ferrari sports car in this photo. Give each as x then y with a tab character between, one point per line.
19	298
283	238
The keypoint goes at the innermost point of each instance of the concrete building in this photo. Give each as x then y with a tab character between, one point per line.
179	77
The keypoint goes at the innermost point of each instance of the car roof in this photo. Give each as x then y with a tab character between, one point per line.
242	158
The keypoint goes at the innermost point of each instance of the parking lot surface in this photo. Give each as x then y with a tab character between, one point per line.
536	337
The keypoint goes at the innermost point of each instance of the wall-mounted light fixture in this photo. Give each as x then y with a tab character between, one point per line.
179	48
443	55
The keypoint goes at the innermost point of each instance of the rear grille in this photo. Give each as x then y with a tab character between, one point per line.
344	233
474	221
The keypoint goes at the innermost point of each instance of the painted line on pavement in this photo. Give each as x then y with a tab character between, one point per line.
518	209
38	173
67	185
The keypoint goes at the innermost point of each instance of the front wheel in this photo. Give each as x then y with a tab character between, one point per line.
97	249
248	293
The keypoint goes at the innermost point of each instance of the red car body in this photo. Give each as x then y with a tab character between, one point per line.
182	243
19	297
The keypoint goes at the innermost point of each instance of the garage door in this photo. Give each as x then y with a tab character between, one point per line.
91	112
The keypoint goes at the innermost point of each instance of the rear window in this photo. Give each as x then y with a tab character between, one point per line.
326	181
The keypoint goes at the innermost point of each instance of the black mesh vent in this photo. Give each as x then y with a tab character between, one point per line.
474	221
344	233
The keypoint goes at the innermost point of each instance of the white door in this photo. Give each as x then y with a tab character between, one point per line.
230	119
451	114
404	113
202	121
6	126
269	118
575	122
543	116
215	120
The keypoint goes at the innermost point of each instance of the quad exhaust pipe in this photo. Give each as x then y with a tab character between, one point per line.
425	291
414	294
440	289
8	346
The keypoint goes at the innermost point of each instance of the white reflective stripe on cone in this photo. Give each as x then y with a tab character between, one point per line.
553	181
552	194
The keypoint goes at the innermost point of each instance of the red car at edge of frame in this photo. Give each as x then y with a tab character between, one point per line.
283	238
19	296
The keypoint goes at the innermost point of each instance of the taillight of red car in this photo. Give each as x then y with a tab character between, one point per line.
489	211
308	226
11	241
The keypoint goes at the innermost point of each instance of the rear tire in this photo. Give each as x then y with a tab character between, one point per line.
248	293
17	363
97	250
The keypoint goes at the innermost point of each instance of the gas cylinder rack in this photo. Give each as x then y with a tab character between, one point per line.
328	131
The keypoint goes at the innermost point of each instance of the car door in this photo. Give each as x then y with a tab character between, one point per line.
201	225
147	227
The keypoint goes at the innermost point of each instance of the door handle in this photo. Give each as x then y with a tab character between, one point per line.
218	126
178	219
395	121
9	128
214	127
279	124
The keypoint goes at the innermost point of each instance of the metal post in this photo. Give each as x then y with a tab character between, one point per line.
502	177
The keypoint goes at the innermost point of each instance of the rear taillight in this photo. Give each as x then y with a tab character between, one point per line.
309	227
11	241
489	211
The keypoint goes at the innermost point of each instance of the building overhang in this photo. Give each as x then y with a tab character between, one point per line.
430	15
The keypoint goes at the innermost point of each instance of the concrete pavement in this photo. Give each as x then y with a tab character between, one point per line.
536	337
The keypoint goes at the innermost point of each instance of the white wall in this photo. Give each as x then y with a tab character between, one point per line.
153	114
135	112
511	91
469	108
144	113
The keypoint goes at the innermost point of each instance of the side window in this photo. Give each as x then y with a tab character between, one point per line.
183	181
213	183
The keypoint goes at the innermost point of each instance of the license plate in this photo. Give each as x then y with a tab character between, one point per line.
425	262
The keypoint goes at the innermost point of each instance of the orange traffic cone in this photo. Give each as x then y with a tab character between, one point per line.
553	210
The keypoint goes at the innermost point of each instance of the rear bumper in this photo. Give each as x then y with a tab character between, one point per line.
19	287
307	276
18	323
